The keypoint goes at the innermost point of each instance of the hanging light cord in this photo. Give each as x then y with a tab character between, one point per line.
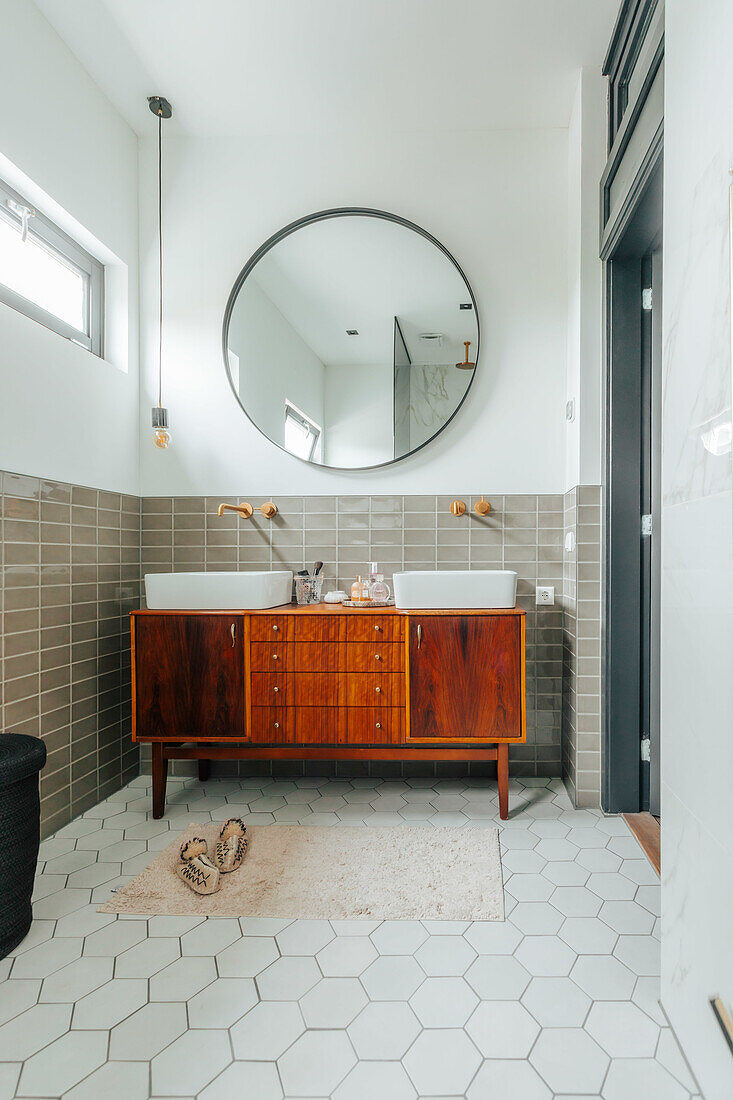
160	259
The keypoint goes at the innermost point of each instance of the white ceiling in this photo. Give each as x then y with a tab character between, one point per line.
361	273
259	67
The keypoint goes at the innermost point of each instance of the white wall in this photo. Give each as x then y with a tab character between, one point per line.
359	415
275	363
496	199
586	160
697	542
64	413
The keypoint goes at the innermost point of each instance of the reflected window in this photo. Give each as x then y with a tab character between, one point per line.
301	434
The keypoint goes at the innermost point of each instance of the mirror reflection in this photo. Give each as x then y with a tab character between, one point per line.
352	341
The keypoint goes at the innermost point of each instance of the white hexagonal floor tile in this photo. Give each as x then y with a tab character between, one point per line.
545	956
147	958
333	1003
222	1003
18	995
267	1031
640	871
556	1002
60	1066
346	956
493	937
502	1029
569	1060
32	1030
115	938
536	918
74	981
384	1030
369	1080
211	937
627	917
529	887
110	1004
523	861
148	1031
603	978
598	859
304	937
247	957
510	1079
288	979
392	978
622	1029
588	936
253	1080
182	979
443	1002
442	1061
46	958
399	937
445	956
576	901
642	954
114	1081
498	977
640	1079
611	887
186	1067
316	1063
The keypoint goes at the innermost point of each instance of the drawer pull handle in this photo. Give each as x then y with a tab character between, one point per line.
419	635
277	725
378	725
378	690
234	634
377	627
377	657
276	689
275	626
274	656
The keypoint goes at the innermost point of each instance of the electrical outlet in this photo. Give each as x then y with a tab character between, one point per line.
545	595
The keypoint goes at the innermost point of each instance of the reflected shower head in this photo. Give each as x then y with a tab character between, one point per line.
466	364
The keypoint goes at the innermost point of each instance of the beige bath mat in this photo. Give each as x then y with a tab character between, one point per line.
342	873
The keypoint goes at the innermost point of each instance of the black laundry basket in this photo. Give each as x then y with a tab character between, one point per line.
21	759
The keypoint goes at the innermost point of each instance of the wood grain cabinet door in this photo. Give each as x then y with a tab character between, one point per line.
465	677
189	677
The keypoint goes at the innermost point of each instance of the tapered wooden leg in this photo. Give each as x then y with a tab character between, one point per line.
204	770
502	768
160	775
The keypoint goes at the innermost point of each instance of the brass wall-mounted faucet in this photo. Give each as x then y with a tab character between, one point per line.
481	507
245	510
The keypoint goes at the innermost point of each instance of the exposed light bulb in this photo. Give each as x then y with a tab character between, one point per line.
161	438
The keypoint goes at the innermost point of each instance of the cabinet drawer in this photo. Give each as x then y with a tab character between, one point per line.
271	689
273	725
271	656
317	689
263	628
319	725
375	656
319	628
317	657
374	725
376	690
368	628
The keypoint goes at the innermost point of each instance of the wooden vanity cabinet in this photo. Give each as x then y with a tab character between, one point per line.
324	682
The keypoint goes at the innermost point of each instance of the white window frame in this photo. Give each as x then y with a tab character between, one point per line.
294	413
72	254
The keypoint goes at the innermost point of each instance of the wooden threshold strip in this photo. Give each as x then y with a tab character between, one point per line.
645	828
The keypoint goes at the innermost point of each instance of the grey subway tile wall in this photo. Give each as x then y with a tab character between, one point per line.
582	656
523	532
70	575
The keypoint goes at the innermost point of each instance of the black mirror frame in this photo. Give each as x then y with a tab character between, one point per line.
309	219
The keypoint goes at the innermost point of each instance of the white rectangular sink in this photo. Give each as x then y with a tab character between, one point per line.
218	591
454	589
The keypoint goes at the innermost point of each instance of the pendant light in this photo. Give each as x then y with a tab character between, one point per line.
161	436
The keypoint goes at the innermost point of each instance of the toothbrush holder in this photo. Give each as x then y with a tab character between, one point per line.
308	590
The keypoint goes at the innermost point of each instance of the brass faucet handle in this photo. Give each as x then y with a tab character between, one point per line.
457	508
268	509
482	507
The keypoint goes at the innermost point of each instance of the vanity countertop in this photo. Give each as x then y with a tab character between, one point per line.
338	609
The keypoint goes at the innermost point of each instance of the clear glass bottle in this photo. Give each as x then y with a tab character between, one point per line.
359	590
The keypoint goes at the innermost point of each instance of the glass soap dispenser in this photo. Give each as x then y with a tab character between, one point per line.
378	590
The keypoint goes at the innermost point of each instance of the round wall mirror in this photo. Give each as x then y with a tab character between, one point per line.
351	338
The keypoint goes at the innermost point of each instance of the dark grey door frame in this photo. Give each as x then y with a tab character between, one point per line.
630	196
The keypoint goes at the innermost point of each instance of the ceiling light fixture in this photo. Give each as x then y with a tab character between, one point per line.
161	437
